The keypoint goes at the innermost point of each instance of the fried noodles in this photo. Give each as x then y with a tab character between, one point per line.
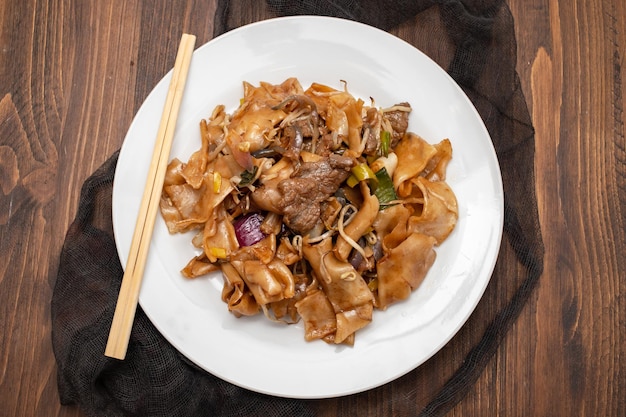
310	202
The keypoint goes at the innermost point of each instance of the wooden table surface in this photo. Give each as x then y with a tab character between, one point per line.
72	77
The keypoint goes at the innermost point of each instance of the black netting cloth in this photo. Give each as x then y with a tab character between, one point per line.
471	39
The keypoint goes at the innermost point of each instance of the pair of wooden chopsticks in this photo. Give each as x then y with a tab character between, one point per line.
124	315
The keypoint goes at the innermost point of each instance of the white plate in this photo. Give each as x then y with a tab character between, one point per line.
275	359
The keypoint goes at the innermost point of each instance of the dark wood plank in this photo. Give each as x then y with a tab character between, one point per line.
571	337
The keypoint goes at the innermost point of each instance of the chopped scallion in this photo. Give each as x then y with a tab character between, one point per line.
247	177
384	191
385	142
362	172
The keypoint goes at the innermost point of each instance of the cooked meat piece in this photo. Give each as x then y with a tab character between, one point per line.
326	143
399	123
300	214
309	185
294	135
328	172
294	141
305	126
370	123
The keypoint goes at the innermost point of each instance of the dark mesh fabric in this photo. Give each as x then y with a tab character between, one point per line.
474	41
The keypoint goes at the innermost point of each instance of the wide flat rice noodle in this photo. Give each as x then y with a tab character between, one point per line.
235	293
318	316
436	167
397	278
254	123
413	153
388	219
341	111
287	253
194	169
343	285
184	207
440	210
391	226
174	173
198	266
286	310
264	250
268	283
344	117
361	222
348	322
219	234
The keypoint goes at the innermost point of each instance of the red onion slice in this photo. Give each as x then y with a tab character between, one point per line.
248	229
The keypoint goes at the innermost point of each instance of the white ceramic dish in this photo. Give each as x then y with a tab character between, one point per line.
274	359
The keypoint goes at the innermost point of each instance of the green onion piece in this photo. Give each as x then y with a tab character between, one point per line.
385	142
247	177
385	191
352	181
363	172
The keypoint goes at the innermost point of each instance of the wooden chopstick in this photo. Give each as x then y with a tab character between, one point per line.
124	315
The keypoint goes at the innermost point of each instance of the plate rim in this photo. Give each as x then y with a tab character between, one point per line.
498	180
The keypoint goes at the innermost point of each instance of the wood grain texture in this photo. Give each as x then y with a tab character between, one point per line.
571	337
73	73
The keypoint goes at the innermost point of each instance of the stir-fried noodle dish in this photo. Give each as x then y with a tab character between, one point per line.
313	204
